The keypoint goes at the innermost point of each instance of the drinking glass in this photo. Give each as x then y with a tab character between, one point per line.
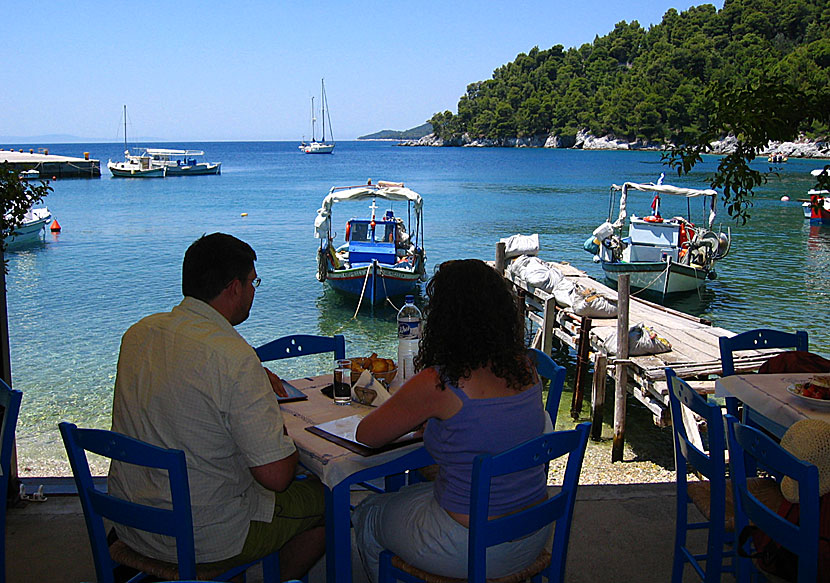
343	382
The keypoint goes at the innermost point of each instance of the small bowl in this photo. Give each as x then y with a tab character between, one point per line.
385	376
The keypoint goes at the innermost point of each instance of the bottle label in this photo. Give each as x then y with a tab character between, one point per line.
409	330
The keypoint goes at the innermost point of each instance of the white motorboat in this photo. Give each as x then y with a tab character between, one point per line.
666	256
181	162
31	230
321	147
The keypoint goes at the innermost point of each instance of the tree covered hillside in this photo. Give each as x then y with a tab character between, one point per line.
649	84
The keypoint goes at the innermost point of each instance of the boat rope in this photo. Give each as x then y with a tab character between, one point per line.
363	291
386	293
648	285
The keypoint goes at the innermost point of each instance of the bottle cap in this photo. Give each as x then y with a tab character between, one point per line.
410	298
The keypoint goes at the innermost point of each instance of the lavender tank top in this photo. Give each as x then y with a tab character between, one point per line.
488	426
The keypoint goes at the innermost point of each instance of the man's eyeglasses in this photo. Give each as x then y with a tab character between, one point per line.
255	281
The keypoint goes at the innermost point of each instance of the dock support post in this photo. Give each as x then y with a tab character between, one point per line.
621	370
582	349
500	261
598	394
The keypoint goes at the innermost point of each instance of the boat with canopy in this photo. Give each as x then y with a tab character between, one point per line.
381	256
181	162
666	256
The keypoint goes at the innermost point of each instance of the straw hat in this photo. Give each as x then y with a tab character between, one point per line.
808	440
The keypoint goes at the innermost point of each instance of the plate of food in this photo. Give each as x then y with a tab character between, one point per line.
815	391
383	369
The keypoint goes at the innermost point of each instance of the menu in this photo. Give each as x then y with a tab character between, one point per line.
342	432
294	394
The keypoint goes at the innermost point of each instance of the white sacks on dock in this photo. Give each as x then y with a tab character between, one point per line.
516	245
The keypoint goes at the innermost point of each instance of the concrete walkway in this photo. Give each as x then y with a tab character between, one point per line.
620	533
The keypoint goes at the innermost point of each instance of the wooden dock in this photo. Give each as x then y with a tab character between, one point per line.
694	354
50	165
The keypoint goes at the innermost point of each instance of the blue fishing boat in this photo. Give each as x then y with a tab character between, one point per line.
381	257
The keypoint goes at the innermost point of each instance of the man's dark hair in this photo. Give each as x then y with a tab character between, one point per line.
212	262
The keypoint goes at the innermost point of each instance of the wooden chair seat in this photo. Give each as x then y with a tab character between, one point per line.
766	490
542	561
123	554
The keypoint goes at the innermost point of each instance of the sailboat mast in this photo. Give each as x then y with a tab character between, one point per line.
313	120
125	128
323	107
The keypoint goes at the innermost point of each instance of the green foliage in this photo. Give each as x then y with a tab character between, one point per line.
648	84
411	134
17	196
759	69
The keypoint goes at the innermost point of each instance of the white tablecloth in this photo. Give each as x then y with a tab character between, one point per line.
767	394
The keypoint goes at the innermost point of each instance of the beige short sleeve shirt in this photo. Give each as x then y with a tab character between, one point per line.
187	380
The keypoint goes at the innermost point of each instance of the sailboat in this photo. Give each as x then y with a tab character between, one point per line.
135	166
321	147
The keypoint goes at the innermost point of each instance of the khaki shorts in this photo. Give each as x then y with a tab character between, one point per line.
297	509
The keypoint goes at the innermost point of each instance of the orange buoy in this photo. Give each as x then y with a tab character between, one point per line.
56	227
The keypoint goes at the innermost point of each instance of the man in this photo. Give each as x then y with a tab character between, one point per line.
187	380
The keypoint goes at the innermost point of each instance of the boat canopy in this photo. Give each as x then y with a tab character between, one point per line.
663	189
388	191
166	152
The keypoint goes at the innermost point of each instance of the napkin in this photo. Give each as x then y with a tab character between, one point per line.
369	391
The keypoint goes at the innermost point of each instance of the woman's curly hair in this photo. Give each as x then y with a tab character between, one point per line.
472	320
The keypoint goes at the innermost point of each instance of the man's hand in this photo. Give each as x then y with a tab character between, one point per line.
276	383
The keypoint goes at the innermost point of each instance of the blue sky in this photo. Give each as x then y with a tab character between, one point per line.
239	70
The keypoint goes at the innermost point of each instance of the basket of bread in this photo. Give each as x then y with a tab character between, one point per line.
383	369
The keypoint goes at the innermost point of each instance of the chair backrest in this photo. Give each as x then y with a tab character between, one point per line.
747	444
301	345
555	373
10	403
688	449
559	508
759	339
176	521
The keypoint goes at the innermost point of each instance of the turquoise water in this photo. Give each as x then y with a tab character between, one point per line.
119	255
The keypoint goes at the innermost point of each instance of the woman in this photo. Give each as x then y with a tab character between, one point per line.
478	393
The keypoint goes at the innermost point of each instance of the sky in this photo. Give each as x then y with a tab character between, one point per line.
246	70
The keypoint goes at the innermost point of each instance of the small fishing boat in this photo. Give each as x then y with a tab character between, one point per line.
321	147
181	162
381	257
137	165
817	209
666	256
29	175
31	230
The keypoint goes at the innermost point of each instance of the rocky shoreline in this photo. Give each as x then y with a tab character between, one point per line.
801	148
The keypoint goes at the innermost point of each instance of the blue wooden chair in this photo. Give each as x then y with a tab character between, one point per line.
748	443
302	345
10	403
760	339
485	533
555	374
176	521
708	496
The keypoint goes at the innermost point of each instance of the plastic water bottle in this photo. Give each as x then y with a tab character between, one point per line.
409	332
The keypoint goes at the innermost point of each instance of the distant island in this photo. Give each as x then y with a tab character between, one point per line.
410	134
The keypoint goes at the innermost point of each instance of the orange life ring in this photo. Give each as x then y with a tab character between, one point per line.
348	230
653	219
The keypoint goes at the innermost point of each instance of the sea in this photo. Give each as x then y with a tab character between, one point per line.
118	256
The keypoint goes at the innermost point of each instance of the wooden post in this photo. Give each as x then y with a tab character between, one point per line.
500	261
621	371
598	394
582	349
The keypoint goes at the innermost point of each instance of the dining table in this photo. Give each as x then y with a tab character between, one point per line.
339	468
771	400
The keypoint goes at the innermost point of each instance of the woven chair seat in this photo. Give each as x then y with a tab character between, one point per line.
542	561
123	554
766	490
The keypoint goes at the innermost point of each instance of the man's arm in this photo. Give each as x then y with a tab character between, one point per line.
276	475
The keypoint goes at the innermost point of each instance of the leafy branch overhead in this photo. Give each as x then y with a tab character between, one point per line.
755	114
17	197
